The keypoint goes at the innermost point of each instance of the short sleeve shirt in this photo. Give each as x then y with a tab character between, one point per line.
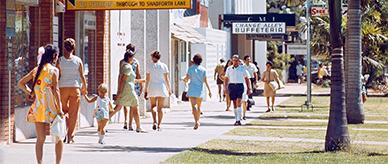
237	75
251	68
156	71
197	75
70	75
220	69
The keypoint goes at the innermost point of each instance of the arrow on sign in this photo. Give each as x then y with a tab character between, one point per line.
72	2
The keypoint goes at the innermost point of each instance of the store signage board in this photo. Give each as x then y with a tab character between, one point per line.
28	2
259	28
265	37
289	19
127	4
319	11
297	49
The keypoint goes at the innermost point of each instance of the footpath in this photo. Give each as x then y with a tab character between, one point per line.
124	146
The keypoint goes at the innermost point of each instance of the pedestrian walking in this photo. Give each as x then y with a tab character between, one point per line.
299	72
235	77
252	70
271	84
228	101
46	104
157	87
245	98
126	95
138	86
72	85
197	76
219	70
254	78
104	106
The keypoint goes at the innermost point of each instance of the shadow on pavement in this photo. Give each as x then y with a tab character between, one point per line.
129	149
191	124
228	152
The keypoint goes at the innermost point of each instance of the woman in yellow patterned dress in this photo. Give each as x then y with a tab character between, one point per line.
46	100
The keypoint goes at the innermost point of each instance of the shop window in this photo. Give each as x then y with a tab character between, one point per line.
87	49
18	41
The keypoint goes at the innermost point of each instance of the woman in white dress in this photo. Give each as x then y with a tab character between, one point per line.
157	87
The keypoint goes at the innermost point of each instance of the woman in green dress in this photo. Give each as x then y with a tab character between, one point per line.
126	95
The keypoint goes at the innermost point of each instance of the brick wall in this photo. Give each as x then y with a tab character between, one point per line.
69	24
46	21
102	47
92	84
3	75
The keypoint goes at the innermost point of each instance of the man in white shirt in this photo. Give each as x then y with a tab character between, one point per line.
253	76
235	77
251	69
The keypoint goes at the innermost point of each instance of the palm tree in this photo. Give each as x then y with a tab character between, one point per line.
337	135
354	108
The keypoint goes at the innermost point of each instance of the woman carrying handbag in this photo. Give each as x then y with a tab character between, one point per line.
271	84
46	107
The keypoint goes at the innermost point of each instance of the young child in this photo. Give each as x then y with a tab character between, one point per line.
104	106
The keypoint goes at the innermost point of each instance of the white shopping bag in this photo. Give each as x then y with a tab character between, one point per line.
58	129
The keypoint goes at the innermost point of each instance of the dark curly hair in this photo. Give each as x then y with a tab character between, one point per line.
156	55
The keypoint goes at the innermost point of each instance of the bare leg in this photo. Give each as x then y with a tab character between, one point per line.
136	116
219	92
153	105
130	119
125	118
244	106
273	103
267	98
199	103
103	124
58	151
41	138
115	110
193	102
160	111
228	103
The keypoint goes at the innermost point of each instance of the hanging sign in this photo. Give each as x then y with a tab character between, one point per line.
259	28
319	11
229	19
127	4
297	49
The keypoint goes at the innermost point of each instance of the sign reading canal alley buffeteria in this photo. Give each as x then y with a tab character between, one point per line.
259	28
127	4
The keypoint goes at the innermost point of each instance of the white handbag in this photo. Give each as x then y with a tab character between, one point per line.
274	85
58	129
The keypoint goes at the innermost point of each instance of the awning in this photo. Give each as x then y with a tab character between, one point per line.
187	33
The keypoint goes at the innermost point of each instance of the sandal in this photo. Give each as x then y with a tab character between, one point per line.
269	110
154	126
139	130
196	126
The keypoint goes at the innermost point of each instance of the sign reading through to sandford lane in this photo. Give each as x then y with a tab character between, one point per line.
259	28
127	4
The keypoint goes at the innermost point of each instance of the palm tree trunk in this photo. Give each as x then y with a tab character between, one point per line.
337	135
354	108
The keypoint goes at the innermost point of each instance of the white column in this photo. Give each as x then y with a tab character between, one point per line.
138	38
165	43
260	7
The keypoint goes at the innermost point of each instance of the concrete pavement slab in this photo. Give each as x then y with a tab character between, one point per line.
123	146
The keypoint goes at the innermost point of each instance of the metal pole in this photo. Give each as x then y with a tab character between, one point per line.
9	106
308	7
